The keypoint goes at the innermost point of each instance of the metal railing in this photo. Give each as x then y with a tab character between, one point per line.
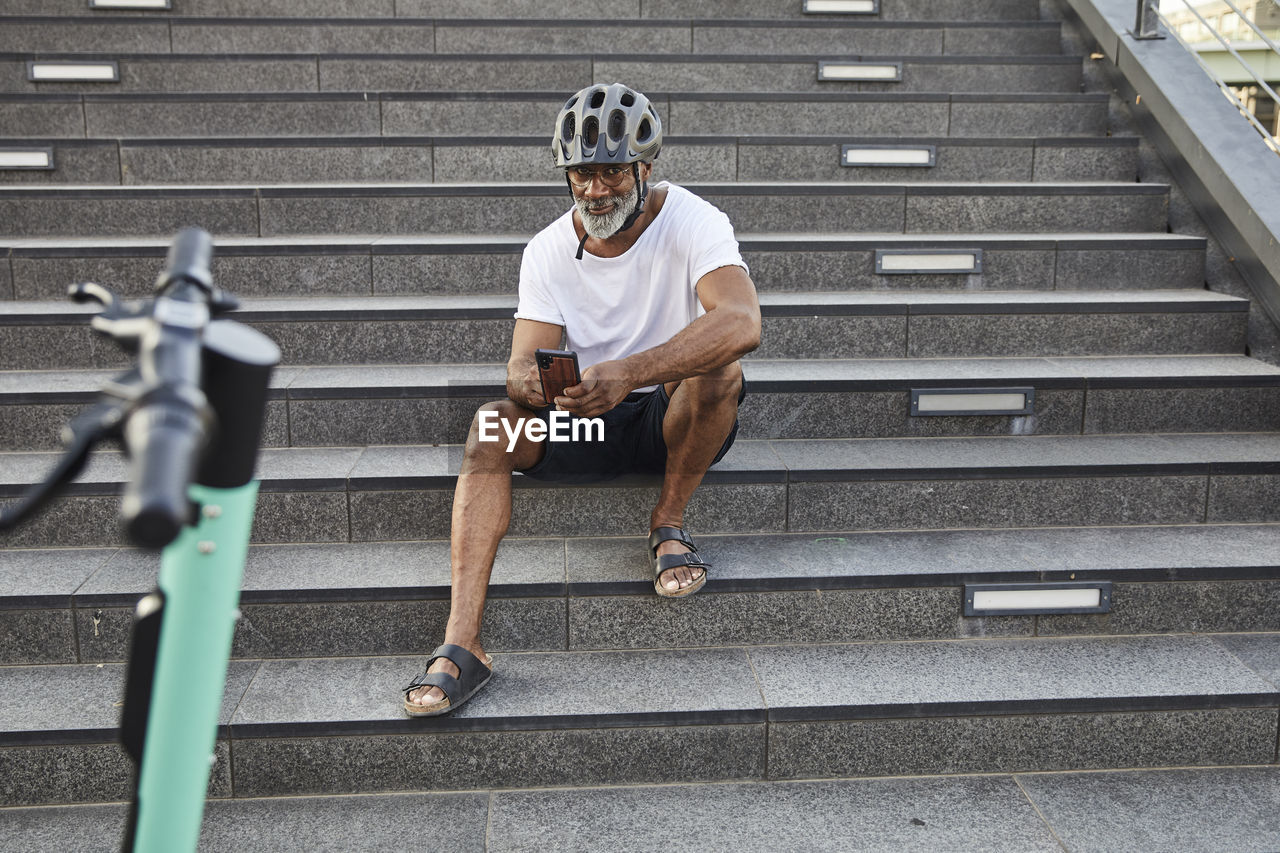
1145	28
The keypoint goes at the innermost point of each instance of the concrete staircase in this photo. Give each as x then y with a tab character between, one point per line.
372	169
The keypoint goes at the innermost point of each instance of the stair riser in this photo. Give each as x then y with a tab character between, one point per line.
377	73
107	164
356	421
962	116
372	516
641	620
424	37
259	767
239	213
360	273
341	341
929	10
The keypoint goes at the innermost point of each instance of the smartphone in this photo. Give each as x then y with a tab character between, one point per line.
558	370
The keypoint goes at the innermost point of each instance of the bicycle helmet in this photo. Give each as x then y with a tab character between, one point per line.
607	124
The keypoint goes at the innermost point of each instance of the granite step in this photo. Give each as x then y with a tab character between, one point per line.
1006	813
342	265
431	72
468	113
842	36
897	10
559	719
389	209
64	606
417	159
832	325
397	493
346	406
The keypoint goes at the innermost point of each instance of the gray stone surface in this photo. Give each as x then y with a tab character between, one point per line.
470	116
1029	211
342	824
1067	674
1015	118
35	347
73	164
1243	498
1094	269
302	517
1129	333
344	213
229	8
42	120
48	277
599	9
31	636
34	216
44	577
840	270
432	74
245	117
1002	744
833	337
84	773
887	414
927	504
439	761
823	163
189	164
348	341
831	40
1158	608
69	522
1086	162
1041	38
327	38
1173	810
495	37
859	118
53	829
474	273
862	211
87	37
995	77
1182	409
158	73
976	814
318	423
527	690
1259	652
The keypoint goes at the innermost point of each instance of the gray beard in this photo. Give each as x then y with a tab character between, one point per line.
604	227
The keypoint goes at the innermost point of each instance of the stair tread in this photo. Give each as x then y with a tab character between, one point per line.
734	685
619	565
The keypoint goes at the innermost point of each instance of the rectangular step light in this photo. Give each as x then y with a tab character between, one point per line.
27	158
935	402
1033	599
73	72
870	72
938	261
889	155
129	4
841	7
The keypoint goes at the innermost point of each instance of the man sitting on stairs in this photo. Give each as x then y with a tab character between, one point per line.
648	287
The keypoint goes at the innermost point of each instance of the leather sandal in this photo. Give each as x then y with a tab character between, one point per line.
473	674
674	561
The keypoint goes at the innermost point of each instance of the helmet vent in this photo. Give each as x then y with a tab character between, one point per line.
591	131
617	124
628	99
597	99
570	125
645	130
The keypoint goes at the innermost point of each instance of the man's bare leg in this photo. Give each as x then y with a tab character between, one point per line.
698	420
481	515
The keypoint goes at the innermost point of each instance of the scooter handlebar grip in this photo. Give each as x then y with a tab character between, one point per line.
164	439
190	256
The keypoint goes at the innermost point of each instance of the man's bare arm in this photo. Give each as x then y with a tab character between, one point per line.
523	385
728	330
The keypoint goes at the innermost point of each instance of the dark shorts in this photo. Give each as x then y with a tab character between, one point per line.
633	443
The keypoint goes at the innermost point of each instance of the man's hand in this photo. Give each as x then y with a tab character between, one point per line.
603	386
525	386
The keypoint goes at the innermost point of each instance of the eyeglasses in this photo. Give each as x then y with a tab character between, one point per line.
610	176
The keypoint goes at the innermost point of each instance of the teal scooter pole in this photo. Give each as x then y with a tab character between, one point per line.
199	589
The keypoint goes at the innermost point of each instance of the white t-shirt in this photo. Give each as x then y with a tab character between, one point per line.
615	307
